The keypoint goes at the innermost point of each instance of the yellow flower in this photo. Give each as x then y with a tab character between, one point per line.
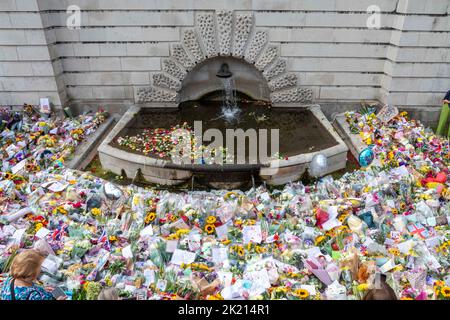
150	217
96	211
181	232
211	220
108	282
319	239
362	287
112	238
342	217
240	251
38	226
229	194
301	293
394	251
210	228
445	292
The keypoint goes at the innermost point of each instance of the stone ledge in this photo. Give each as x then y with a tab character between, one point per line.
85	149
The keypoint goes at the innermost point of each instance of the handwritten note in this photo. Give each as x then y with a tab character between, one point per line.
387	113
252	234
182	256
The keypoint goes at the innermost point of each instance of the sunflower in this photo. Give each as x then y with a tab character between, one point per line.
318	240
150	217
8	176
445	292
210	228
260	249
240	251
402	206
112	238
342	217
394	211
173	218
301	293
394	251
211	220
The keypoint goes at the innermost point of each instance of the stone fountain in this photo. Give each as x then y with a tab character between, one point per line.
239	83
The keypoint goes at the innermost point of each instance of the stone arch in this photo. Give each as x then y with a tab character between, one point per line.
202	79
224	34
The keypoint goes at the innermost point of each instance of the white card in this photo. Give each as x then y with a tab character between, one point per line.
161	284
219	255
179	224
57	187
149	276
332	212
42	233
252	234
127	253
147	231
311	289
225	277
260	281
330	224
18	234
19	166
387	266
405	246
171	245
182	256
222	232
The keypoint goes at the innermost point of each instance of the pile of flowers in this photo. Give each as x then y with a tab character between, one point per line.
328	240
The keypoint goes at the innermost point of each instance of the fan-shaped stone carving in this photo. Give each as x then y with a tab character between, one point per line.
242	30
256	45
152	94
278	68
292	95
267	57
283	82
226	35
180	55
207	28
224	24
190	41
173	69
162	80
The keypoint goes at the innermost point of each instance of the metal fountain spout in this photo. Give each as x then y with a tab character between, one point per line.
224	71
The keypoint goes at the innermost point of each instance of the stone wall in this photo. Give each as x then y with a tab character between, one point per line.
325	44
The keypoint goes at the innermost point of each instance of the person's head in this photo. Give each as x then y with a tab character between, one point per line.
26	265
108	294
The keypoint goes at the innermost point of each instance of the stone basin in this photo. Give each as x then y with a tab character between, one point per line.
304	132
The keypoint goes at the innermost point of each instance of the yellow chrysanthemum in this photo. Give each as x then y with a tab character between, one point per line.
96	211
